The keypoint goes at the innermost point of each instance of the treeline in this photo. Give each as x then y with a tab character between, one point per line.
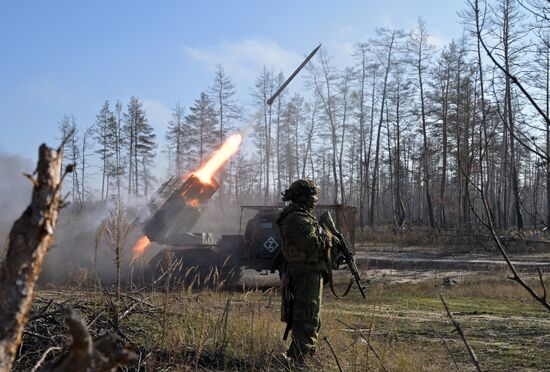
409	133
124	144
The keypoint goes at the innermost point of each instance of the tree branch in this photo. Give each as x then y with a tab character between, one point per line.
461	333
367	341
514	79
333	353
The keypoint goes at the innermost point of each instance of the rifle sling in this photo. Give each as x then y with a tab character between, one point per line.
330	277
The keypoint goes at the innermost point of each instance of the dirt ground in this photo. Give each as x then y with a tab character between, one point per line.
389	264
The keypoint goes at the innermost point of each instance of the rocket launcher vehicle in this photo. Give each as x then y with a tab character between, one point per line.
180	212
172	222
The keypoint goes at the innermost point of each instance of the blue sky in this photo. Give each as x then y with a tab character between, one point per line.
63	57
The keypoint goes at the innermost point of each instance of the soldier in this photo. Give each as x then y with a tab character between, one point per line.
304	244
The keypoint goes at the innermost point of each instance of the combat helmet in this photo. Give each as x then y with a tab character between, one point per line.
299	189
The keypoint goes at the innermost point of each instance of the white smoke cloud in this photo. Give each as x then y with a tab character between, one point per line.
74	235
15	190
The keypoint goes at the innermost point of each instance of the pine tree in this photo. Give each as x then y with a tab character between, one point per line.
140	145
117	170
202	121
104	136
223	93
145	148
178	135
69	135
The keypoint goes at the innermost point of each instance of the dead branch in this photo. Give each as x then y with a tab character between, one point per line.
542	299
95	319
448	350
43	357
33	334
333	353
515	80
461	333
488	224
367	341
29	240
133	307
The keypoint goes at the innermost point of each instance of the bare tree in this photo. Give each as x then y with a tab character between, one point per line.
509	18
345	93
421	51
69	132
264	87
310	131
114	230
284	115
324	79
441	102
400	93
84	154
361	53
387	43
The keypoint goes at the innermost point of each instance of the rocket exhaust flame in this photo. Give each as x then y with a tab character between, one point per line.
140	247
220	157
180	212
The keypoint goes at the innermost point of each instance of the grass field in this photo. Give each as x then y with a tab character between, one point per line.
404	323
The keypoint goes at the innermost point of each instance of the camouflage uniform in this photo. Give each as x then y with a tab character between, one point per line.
304	243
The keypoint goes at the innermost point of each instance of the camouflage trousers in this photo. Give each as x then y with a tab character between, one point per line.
307	292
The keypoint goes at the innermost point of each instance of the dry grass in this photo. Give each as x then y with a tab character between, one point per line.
242	331
212	329
493	285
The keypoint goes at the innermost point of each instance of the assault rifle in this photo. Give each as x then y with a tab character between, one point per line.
342	252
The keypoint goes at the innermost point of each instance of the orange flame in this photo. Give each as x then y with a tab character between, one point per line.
140	247
193	202
230	146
